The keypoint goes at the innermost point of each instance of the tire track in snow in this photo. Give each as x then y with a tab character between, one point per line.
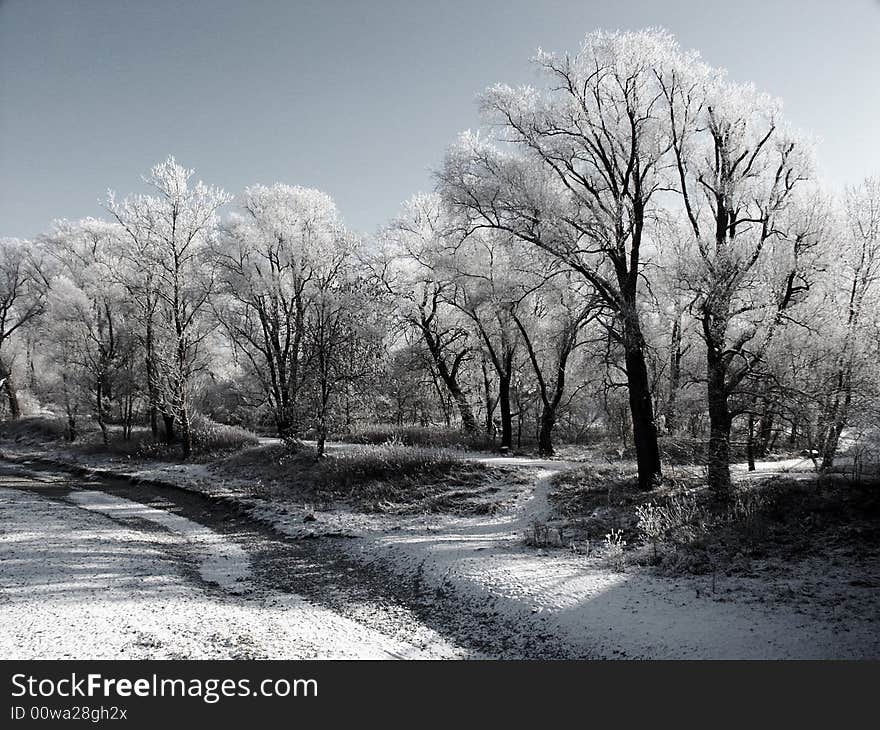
221	561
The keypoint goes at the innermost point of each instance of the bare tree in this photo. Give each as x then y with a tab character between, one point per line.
169	232
268	259
581	184
23	288
420	296
856	276
89	313
753	240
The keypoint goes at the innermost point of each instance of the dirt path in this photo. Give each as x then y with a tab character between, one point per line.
120	578
106	569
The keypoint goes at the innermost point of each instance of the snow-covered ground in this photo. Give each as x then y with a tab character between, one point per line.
633	613
76	584
584	607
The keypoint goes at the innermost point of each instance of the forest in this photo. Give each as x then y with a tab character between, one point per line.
640	251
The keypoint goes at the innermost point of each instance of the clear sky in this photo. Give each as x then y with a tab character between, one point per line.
360	99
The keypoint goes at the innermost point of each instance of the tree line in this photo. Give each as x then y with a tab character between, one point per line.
641	246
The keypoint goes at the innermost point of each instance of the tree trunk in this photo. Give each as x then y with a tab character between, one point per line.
449	376
835	418
127	417
675	359
321	435
750	443
545	433
284	424
719	427
830	444
506	419
99	409
168	421
640	403
490	402
10	390
185	432
468	422
765	430
441	399
152	395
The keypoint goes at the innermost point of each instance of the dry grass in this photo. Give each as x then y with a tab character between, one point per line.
34	429
681	528
388	479
210	439
424	436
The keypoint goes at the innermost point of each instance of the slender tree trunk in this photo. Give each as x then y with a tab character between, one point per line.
750	443
10	390
152	395
490	402
128	417
99	409
765	429
185	432
321	435
674	377
504	405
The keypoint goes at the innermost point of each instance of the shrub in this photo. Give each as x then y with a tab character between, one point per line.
209	436
396	478
614	545
344	471
34	428
428	436
540	534
682	450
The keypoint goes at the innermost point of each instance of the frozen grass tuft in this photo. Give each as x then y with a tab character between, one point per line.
424	436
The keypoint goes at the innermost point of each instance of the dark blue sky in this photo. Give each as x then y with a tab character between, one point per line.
359	98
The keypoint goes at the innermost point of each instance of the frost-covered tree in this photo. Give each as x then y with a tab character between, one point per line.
486	288
269	258
755	231
343	332
576	172
850	385
167	268
405	267
90	319
23	288
551	320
